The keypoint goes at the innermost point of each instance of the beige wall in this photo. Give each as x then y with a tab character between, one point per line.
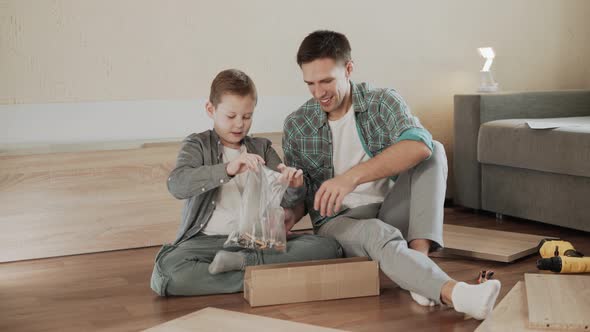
86	51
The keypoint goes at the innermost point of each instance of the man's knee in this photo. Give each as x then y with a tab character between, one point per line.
439	155
438	160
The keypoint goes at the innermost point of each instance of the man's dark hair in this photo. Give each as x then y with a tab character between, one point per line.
323	44
234	82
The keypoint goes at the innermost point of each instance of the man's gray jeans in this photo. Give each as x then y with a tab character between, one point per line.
183	269
413	209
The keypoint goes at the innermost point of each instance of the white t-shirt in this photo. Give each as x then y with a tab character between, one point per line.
347	152
228	198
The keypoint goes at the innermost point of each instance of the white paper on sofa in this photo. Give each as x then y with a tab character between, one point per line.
549	124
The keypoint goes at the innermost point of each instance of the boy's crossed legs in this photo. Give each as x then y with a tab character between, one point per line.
183	269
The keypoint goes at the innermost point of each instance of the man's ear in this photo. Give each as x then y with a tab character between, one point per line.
210	109
349	67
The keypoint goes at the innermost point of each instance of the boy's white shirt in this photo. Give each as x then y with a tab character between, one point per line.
228	199
347	152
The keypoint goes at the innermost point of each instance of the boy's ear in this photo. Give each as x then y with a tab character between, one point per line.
210	109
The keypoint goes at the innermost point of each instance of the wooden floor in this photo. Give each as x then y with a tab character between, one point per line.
110	291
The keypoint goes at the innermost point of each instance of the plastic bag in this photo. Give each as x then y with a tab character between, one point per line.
261	224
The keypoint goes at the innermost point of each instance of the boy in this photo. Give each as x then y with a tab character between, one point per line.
210	174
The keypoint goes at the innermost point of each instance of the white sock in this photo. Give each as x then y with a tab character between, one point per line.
225	261
421	300
476	301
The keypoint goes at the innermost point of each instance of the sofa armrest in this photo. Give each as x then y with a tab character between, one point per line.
466	168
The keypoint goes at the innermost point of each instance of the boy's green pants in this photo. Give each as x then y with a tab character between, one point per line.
183	269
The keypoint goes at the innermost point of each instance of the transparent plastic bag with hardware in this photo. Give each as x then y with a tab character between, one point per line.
261	223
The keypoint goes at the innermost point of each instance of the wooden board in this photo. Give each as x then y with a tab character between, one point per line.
303	225
487	244
212	319
80	202
510	315
558	301
91	197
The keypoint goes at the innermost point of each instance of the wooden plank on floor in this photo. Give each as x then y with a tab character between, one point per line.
487	244
511	314
212	319
558	301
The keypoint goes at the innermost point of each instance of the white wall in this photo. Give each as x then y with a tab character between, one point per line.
128	69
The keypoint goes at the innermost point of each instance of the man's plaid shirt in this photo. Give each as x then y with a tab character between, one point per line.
383	119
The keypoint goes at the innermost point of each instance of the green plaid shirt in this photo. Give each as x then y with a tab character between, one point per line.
383	119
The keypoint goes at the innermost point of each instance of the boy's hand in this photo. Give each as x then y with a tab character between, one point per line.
294	177
246	161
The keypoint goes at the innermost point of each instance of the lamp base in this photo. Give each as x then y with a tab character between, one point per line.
492	88
487	83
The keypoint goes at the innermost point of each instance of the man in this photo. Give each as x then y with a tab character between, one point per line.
374	179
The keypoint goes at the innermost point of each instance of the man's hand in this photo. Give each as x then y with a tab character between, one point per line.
294	177
328	198
246	161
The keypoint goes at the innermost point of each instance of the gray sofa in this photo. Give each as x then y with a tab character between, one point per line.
503	166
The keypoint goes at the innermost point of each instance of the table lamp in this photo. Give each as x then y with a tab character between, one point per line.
487	80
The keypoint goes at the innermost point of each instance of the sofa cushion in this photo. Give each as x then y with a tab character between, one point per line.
564	150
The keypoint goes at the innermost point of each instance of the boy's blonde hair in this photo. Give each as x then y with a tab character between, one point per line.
232	81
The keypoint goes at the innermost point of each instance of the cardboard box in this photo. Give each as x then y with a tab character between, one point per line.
311	281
